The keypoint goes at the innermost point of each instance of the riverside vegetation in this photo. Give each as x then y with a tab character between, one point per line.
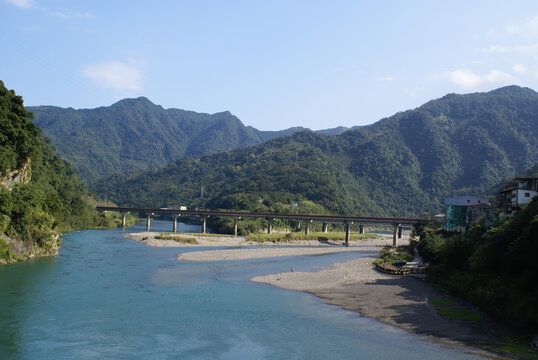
40	196
494	269
295	236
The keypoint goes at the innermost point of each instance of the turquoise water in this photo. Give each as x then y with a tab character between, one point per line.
107	297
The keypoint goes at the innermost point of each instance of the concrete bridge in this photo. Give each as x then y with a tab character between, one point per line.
396	223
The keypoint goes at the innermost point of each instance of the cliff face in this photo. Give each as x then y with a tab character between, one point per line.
40	196
22	175
13	248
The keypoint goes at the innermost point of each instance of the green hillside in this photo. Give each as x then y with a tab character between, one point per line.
403	165
40	197
135	134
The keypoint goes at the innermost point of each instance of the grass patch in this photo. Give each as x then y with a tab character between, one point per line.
513	347
178	238
453	310
389	255
197	234
319	236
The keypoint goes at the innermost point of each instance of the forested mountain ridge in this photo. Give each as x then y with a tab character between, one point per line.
403	165
135	134
40	197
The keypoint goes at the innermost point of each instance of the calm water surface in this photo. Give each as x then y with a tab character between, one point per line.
107	297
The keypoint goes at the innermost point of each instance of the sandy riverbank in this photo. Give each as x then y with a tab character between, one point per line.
396	300
207	240
262	250
242	254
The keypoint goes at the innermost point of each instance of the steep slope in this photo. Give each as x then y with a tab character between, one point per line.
403	165
39	194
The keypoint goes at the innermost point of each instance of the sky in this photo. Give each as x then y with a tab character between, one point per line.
274	64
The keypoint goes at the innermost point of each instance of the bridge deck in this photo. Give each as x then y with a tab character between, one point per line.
320	218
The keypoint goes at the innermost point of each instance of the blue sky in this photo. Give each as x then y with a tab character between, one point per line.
274	64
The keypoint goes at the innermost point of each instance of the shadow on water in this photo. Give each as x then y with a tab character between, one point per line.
21	288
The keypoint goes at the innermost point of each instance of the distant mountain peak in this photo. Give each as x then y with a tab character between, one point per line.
142	100
513	90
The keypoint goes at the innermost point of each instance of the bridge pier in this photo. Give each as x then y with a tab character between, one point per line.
400	230
348	233
174	228
396	234
235	226
307	228
269	225
204	220
324	227
148	222
123	219
361	229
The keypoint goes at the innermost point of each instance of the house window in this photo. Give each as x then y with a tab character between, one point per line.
527	194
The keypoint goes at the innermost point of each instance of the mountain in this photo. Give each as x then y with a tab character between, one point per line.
40	197
135	134
270	135
403	165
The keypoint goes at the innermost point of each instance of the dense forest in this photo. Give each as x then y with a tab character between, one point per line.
40	196
402	166
494	269
135	134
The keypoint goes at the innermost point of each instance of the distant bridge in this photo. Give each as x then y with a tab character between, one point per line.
395	222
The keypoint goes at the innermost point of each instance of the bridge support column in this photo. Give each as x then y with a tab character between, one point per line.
348	234
174	228
307	228
204	220
123	219
148	222
235	226
400	230
361	229
269	225
298	225
397	228
324	227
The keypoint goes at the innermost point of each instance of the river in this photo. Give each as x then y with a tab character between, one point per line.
108	297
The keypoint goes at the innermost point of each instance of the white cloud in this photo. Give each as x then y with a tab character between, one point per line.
384	78
469	80
116	74
519	68
71	15
519	49
23	4
27	4
528	29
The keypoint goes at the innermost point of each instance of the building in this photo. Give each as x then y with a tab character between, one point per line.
464	211
516	194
